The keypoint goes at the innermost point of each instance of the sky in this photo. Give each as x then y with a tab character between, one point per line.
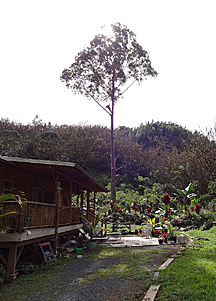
39	39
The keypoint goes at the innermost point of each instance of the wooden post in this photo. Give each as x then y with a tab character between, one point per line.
88	200
70	198
88	216
13	257
21	219
11	261
57	201
94	198
82	198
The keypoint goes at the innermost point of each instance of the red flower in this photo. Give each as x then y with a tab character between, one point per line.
197	208
165	235
156	233
149	209
147	200
140	230
136	231
166	219
192	209
166	199
134	202
136	208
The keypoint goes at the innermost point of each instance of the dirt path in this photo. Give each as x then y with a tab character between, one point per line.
71	283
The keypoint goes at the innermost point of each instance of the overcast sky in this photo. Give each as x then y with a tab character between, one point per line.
41	38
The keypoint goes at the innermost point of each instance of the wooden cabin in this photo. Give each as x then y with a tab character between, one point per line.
49	212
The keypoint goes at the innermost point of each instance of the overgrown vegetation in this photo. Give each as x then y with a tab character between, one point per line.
159	152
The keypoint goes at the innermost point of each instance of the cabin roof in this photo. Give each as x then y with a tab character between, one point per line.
44	169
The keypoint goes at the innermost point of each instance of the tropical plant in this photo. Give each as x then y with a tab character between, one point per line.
165	236
171	229
152	222
6	211
95	225
186	194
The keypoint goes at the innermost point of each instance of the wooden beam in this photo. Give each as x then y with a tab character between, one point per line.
166	263
88	200
82	198
151	293
94	198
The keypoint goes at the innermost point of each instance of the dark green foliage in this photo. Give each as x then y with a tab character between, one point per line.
150	134
89	146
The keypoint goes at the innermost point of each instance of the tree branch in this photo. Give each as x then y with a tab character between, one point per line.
97	101
125	89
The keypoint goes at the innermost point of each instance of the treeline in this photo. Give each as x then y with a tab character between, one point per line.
162	152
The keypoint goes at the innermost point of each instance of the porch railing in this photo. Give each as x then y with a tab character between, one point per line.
35	215
69	215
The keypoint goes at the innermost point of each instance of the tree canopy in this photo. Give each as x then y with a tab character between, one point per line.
102	70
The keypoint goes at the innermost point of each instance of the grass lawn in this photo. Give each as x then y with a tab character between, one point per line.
192	275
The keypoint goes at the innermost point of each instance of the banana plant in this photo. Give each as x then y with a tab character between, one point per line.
186	194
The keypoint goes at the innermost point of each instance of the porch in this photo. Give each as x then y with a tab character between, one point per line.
50	211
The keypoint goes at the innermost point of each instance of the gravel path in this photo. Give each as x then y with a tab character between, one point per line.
69	286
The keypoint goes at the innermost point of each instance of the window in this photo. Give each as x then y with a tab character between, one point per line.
48	197
37	194
8	186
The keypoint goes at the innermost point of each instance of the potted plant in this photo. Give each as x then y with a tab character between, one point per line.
172	232
95	228
153	223
160	240
164	236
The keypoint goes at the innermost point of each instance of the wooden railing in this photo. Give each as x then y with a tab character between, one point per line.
69	215
36	215
39	214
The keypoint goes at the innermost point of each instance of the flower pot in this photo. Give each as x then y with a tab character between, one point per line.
173	239
181	240
160	241
91	245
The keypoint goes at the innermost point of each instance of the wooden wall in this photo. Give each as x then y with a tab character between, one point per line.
25	183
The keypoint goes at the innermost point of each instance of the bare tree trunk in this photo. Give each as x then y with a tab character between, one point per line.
113	166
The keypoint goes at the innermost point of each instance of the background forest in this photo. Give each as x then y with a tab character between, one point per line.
156	152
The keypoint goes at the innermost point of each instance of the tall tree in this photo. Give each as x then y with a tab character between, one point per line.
105	71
